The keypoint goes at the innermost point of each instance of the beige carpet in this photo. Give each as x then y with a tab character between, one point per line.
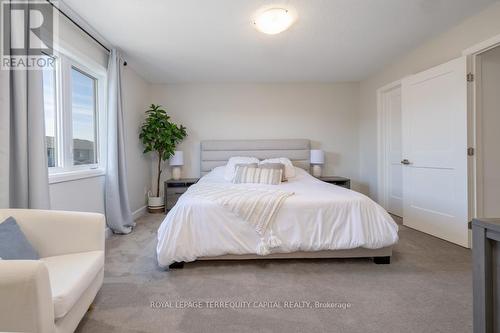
426	288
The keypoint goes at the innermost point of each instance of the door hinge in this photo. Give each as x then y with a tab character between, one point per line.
469	225
470	77
470	151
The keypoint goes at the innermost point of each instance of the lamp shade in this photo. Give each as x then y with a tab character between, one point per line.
317	156
177	159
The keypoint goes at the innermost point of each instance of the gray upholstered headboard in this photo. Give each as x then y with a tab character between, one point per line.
215	153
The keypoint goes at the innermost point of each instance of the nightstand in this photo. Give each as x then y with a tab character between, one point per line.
175	188
335	180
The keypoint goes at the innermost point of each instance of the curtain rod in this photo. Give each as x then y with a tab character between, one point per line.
81	28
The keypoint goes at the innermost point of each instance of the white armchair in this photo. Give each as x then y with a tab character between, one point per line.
52	294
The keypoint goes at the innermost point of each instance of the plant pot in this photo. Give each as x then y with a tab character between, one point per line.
156	205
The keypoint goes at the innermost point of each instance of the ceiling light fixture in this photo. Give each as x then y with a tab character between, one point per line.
273	21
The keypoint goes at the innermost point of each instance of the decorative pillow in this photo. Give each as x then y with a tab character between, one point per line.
13	243
278	166
245	174
250	165
289	168
233	161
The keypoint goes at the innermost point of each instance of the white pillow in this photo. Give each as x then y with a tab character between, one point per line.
230	170
289	168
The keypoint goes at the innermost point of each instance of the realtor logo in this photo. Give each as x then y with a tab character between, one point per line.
27	35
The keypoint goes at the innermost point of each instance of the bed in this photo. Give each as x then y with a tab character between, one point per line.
319	220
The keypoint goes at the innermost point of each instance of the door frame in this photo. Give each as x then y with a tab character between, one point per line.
383	144
475	176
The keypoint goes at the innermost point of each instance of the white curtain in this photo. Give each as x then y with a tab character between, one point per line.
118	214
23	159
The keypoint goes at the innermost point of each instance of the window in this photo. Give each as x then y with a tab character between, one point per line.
73	97
83	108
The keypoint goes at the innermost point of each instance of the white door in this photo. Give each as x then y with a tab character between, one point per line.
391	104
435	151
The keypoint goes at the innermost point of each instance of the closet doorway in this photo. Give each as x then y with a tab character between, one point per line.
487	119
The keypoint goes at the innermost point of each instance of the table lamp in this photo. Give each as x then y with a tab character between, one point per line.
317	161
176	161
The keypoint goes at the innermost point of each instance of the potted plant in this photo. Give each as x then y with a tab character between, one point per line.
160	136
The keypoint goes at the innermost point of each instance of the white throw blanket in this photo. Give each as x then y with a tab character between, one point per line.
256	206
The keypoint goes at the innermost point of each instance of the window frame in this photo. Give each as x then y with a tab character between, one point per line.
65	170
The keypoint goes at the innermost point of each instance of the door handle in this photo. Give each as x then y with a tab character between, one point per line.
405	162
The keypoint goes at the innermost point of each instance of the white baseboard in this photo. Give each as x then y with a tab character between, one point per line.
140	212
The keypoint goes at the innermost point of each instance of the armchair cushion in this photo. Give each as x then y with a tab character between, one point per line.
13	243
70	275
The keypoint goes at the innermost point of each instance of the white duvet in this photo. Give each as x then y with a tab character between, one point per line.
319	216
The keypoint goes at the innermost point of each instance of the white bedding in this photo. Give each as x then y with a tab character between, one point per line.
319	216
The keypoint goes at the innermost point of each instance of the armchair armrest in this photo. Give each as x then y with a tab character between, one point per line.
25	297
54	232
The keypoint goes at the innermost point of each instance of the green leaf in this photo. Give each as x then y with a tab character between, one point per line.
159	134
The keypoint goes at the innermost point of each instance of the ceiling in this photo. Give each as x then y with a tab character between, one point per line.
173	41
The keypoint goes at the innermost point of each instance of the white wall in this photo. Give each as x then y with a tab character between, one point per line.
88	194
135	101
73	40
324	113
82	195
445	47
